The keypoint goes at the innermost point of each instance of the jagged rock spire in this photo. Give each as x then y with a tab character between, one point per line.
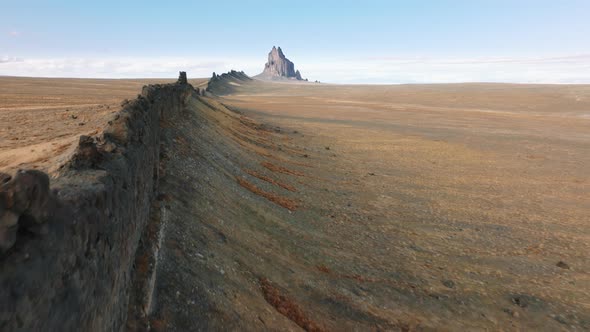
279	66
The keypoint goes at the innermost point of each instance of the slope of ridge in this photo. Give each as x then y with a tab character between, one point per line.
358	215
241	251
226	83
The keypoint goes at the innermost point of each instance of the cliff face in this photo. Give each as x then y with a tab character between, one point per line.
279	66
68	253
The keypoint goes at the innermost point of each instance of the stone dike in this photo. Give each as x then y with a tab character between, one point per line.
69	245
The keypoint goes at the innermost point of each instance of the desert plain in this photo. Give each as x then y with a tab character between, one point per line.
351	207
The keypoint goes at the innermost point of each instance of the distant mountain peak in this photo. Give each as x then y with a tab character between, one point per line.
278	66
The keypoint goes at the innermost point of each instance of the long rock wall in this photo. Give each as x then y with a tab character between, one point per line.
69	251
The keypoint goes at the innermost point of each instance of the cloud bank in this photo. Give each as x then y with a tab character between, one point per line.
5	59
123	67
375	70
563	69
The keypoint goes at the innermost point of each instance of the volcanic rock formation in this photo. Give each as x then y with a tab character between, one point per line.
278	66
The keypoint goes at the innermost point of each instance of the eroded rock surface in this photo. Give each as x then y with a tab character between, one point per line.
278	66
66	254
24	199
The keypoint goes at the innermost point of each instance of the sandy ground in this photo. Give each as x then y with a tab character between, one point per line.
422	207
320	207
41	118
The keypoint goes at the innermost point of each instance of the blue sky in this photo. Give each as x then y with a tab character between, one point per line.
333	41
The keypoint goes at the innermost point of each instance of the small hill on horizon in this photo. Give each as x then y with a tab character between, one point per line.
225	83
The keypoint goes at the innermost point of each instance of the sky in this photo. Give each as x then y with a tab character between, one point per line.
412	41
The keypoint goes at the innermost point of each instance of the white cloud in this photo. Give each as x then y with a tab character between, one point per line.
556	69
6	59
123	67
13	33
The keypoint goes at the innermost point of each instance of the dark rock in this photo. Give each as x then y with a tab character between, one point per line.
563	265
24	201
560	319
511	312
520	301
528	301
225	83
4	178
118	128
182	78
448	283
279	66
76	276
87	154
8	236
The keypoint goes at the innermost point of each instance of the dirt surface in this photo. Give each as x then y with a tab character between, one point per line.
370	208
40	118
435	207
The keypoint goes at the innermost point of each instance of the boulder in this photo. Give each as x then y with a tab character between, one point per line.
182	78
25	199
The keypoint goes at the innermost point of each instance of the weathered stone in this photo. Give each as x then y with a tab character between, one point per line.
118	129
182	78
76	276
33	192
279	66
563	265
8	219
109	147
225	83
448	283
8	234
23	199
87	154
4	178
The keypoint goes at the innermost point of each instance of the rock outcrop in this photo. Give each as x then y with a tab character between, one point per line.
182	78
278	66
67	248
226	83
24	200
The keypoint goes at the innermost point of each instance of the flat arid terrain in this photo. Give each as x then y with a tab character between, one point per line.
322	207
41	118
